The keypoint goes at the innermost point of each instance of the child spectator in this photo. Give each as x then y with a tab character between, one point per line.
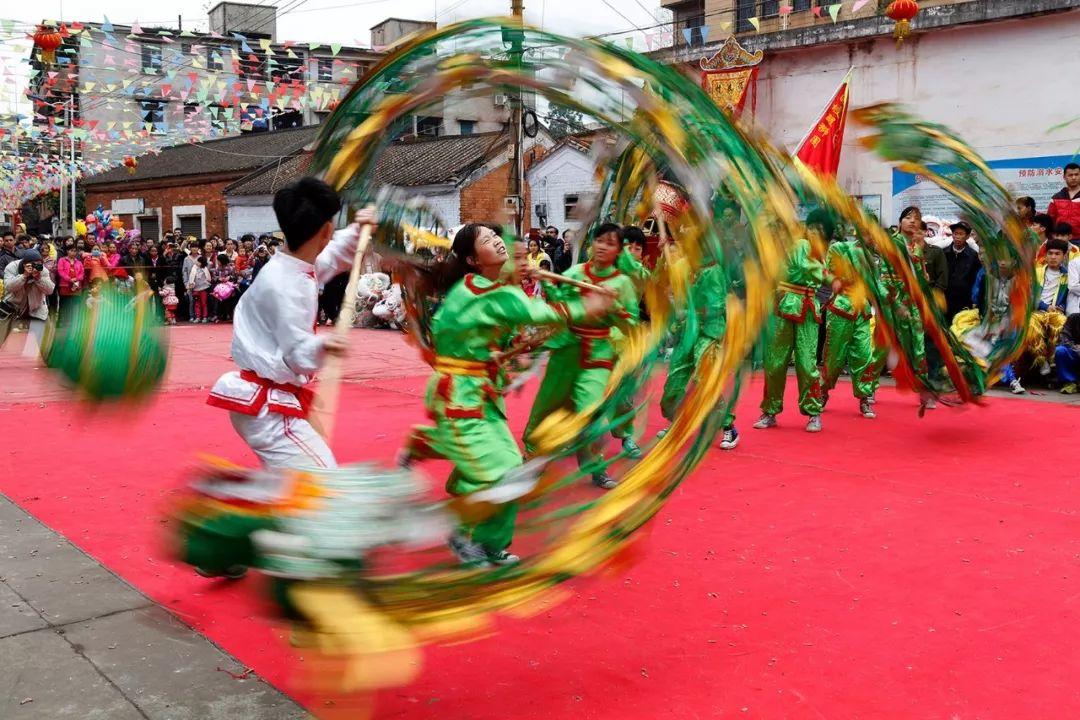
198	284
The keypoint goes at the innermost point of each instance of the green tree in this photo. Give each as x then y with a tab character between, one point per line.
563	121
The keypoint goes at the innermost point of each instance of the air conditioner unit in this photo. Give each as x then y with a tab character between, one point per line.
541	210
511	202
502	100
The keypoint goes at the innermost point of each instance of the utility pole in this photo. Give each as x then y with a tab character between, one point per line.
517	165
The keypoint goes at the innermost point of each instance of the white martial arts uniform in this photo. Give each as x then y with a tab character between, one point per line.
275	346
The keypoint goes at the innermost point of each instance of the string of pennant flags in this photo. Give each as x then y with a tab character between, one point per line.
229	81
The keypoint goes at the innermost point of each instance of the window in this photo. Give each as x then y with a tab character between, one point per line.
151	59
770	8
286	119
191	113
251	68
570	206
287	69
744	10
185	49
153	113
690	16
219	123
467	127
215	59
326	70
428	126
191	225
801	5
149	227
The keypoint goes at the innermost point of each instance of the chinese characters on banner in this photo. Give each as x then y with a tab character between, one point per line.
820	151
730	75
1037	177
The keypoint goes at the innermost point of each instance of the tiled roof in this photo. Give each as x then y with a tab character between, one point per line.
410	163
239	154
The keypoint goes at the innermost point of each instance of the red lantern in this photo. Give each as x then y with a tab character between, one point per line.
131	163
903	12
48	40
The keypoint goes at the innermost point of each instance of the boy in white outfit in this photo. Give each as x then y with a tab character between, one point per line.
274	341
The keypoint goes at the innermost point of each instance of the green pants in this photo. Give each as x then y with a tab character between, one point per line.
482	451
681	373
848	342
800	340
569	386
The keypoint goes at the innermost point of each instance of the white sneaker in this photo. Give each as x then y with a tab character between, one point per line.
730	439
867	409
1044	367
1017	388
765	422
814	424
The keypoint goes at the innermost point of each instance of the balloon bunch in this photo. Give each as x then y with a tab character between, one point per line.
101	225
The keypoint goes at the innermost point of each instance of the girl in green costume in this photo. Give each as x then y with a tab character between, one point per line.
582	357
848	339
479	315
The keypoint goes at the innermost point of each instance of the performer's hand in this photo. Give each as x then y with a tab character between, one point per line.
366	217
837	286
334	344
597	304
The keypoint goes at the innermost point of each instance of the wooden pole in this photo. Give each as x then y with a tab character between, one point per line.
326	401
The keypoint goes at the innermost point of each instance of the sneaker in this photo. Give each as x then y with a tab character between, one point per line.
631	449
604	481
730	439
765	422
867	409
931	404
502	558
233	572
468	552
1016	387
872	400
1070	389
814	424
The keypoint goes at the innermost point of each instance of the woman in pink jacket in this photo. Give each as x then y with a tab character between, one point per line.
71	273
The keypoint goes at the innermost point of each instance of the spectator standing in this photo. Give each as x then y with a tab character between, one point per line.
188	264
1043	226
1025	208
224	289
7	250
551	244
157	269
72	276
198	283
1065	205
536	255
963	266
26	289
564	258
262	256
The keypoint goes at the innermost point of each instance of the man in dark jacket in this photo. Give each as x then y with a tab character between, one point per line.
963	262
1065	206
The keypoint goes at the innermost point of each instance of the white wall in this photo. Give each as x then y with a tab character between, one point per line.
1000	86
254	219
565	171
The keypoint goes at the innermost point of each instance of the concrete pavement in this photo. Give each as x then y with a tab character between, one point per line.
76	641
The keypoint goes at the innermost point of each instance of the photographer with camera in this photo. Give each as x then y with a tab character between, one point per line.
27	285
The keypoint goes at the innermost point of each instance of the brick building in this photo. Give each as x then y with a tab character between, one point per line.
462	178
184	186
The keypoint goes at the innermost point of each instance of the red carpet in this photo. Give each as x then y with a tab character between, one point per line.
893	568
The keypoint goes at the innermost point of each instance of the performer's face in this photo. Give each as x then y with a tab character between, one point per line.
490	252
605	249
1054	258
635	250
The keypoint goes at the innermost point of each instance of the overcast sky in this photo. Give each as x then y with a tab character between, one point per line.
349	22
324	21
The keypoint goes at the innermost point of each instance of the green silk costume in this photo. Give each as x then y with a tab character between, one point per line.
797	319
701	327
583	356
477	318
848	340
908	326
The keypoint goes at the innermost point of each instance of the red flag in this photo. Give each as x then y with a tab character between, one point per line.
820	149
